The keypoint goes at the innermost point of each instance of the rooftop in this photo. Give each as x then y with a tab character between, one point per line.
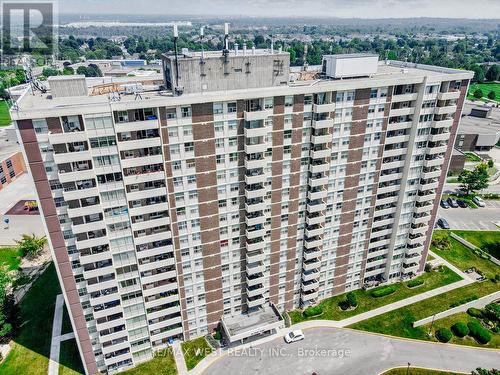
479	125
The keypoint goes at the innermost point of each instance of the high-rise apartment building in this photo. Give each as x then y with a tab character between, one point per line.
233	187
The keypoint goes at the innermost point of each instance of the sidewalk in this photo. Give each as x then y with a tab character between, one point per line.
179	359
55	344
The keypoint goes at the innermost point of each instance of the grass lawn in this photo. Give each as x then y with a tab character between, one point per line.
162	364
462	257
417	371
486	88
488	241
366	302
400	322
194	351
471	156
429	257
4	114
10	256
465	318
31	346
69	359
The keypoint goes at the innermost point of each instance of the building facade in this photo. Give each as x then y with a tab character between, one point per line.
167	213
11	167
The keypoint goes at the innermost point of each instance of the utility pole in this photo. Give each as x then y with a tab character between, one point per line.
430	328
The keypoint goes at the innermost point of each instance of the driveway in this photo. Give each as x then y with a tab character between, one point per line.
482	218
340	351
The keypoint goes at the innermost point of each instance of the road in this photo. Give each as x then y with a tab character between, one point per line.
349	352
482	218
451	188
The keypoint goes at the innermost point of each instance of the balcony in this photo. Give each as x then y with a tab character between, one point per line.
314	230
318	181
428	185
310	275
254	207
320	154
314	220
450	95
75	175
419	230
446	110
255	163
310	285
256	132
436	150
255	256
255	192
255	268
255	301
420	219
309	296
312	243
312	253
70	157
402	111
251	221
255	233
439	137
431	174
255	290
255	179
255	279
404	97
316	207
442	123
326	107
257	115
257	148
320	139
255	245
322	124
426	197
314	195
423	209
319	168
433	162
312	264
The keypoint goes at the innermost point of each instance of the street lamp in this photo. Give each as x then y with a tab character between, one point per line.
430	328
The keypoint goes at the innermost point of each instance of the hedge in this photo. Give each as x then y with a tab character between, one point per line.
414	283
385	291
312	311
443	334
481	334
476	313
460	329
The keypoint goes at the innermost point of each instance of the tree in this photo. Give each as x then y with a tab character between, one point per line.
477	179
31	246
5	325
491	163
493	73
351	299
479	73
68	71
483	371
492	95
48	72
478	94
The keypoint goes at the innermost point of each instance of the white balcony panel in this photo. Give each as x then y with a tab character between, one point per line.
143	160
57	138
139	143
70	157
75	176
449	109
136	125
258	115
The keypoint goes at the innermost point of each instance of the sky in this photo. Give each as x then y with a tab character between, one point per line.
291	8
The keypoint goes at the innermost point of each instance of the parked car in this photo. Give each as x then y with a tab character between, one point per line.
462	204
452	202
443	224
478	201
294	336
444	204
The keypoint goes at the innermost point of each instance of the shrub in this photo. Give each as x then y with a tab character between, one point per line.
351	299
478	94
492	311
385	291
415	282
344	305
428	267
217	335
313	311
443	334
492	95
460	329
491	164
476	313
481	334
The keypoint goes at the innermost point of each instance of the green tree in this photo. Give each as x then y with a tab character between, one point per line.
5	325
478	94
68	71
31	245
479	73
492	95
472	181
47	72
483	371
493	73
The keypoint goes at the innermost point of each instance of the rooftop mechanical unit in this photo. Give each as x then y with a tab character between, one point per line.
349	65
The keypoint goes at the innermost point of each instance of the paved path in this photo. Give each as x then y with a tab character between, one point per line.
483	218
55	344
179	359
450	266
348	352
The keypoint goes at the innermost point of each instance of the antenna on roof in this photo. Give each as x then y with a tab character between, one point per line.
201	41
178	90
225	49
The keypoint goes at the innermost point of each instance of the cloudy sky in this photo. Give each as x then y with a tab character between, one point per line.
291	8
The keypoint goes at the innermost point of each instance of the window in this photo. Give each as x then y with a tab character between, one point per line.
185	112
218	108
288	101
231	107
40	126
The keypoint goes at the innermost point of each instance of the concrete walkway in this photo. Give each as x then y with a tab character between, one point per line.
55	344
179	359
450	266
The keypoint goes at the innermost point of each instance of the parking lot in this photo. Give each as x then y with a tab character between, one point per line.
482	218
